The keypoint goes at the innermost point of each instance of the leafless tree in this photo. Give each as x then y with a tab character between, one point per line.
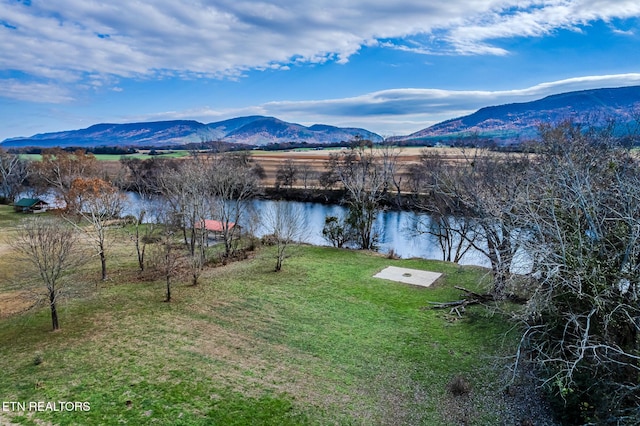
148	178
50	247
455	235
144	227
189	192
98	203
445	220
365	175
166	257
487	188
13	173
235	182
287	174
308	176
143	176
328	178
583	320
389	155
285	222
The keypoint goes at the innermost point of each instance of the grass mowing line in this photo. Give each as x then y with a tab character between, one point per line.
321	342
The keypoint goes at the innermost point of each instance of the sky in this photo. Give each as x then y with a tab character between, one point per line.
392	67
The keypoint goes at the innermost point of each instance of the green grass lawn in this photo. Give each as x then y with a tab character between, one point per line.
321	342
8	216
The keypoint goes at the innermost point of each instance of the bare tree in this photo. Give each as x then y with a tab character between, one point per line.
328	178
445	219
143	223
287	174
50	248
455	235
583	320
391	169
365	175
97	202
189	191
166	258
235	182
143	176
285	222
487	188
308	176
13	173
144	229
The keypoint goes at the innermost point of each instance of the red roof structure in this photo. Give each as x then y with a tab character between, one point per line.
214	225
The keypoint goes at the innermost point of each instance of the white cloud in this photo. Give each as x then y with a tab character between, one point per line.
397	111
218	38
34	92
388	112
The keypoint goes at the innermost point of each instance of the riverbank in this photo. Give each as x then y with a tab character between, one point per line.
391	201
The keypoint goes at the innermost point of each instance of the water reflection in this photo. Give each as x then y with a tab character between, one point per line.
395	228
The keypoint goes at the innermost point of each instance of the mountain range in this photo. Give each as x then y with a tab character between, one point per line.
504	124
516	122
253	130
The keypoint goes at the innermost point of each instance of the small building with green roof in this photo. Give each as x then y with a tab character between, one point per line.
30	205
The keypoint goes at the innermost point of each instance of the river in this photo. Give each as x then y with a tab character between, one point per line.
394	228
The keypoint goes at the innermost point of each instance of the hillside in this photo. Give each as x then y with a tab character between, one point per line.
505	124
254	130
512	123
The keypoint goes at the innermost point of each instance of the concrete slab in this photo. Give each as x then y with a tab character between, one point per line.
408	276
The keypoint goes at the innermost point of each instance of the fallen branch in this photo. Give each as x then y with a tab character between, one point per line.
453	305
447	304
486	297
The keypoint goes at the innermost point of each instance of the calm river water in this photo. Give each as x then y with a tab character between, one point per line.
393	227
395	230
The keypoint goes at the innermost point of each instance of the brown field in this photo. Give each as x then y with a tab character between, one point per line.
313	161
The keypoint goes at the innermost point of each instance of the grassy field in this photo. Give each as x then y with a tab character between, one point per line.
312	161
321	342
117	157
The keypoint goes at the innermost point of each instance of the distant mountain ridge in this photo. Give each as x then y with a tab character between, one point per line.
504	124
254	130
512	123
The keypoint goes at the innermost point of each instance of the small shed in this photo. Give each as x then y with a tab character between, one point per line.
30	205
215	227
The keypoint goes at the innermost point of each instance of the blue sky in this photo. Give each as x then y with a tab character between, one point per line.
391	67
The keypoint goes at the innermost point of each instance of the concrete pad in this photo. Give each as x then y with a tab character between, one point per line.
408	276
